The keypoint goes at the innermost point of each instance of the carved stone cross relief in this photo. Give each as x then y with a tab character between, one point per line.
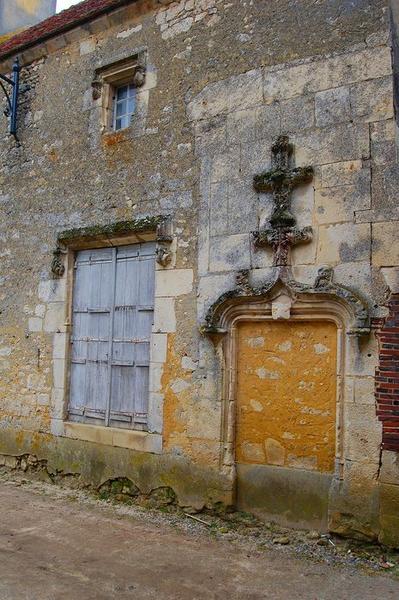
281	180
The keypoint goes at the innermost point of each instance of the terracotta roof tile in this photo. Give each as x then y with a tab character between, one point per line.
59	23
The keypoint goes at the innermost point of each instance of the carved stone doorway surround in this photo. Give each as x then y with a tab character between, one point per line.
283	298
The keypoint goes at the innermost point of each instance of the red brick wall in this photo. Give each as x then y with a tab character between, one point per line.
387	377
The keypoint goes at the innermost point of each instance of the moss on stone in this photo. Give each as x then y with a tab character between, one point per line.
110	229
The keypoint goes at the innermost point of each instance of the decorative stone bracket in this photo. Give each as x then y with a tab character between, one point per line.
164	239
160	226
281	291
57	264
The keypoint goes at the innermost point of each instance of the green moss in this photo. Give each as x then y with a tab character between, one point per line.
159	478
110	229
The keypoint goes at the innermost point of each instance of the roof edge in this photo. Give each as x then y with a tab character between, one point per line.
35	35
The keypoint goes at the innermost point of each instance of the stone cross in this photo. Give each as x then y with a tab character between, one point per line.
281	180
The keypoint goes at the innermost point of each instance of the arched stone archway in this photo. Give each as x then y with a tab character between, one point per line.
283	349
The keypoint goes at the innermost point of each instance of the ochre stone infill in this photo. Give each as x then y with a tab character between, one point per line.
286	394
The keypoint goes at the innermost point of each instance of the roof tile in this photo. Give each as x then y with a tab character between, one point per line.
59	23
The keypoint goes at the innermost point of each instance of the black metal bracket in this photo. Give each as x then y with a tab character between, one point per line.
12	98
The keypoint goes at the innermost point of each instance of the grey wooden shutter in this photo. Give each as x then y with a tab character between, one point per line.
113	309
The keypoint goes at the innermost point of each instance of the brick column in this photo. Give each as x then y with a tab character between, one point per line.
387	377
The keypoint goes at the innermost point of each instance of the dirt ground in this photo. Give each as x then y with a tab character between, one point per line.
65	544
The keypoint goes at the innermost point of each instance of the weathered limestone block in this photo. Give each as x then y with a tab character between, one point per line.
52	290
229	253
174	282
384	187
210	289
344	242
59	344
159	344
338	204
356	275
385	244
219	209
297	114
354	502
226	166
286	81
268	122
362	356
255	158
156	372
237	93
211	136
245	91
59	370
333	144
389	472
176	200
332	106
345	173
383	147
155	416
54	320
363	433
164	315
389	515
179	27
242	126
242	209
35	324
372	100
203	419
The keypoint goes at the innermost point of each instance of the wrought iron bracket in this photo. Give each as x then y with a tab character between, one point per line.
12	96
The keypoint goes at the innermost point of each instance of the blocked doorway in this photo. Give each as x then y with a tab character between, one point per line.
286	419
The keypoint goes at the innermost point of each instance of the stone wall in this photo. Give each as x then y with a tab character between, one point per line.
223	80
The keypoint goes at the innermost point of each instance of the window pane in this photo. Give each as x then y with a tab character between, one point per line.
131	104
121	108
118	124
121	92
125	121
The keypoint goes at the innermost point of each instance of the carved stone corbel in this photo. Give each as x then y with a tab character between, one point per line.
57	264
164	240
139	76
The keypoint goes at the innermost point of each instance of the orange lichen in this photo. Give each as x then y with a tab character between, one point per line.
286	394
180	412
173	424
110	139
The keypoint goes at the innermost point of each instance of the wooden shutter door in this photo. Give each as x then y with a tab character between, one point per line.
113	307
92	301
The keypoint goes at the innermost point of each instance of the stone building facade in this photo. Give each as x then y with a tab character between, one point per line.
257	178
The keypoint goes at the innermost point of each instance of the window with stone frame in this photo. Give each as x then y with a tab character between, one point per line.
124	105
112	318
117	86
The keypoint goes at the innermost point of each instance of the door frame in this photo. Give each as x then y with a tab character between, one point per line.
302	309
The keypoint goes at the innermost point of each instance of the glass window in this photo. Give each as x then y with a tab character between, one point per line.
124	106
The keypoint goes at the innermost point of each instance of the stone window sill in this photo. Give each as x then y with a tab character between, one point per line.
142	441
